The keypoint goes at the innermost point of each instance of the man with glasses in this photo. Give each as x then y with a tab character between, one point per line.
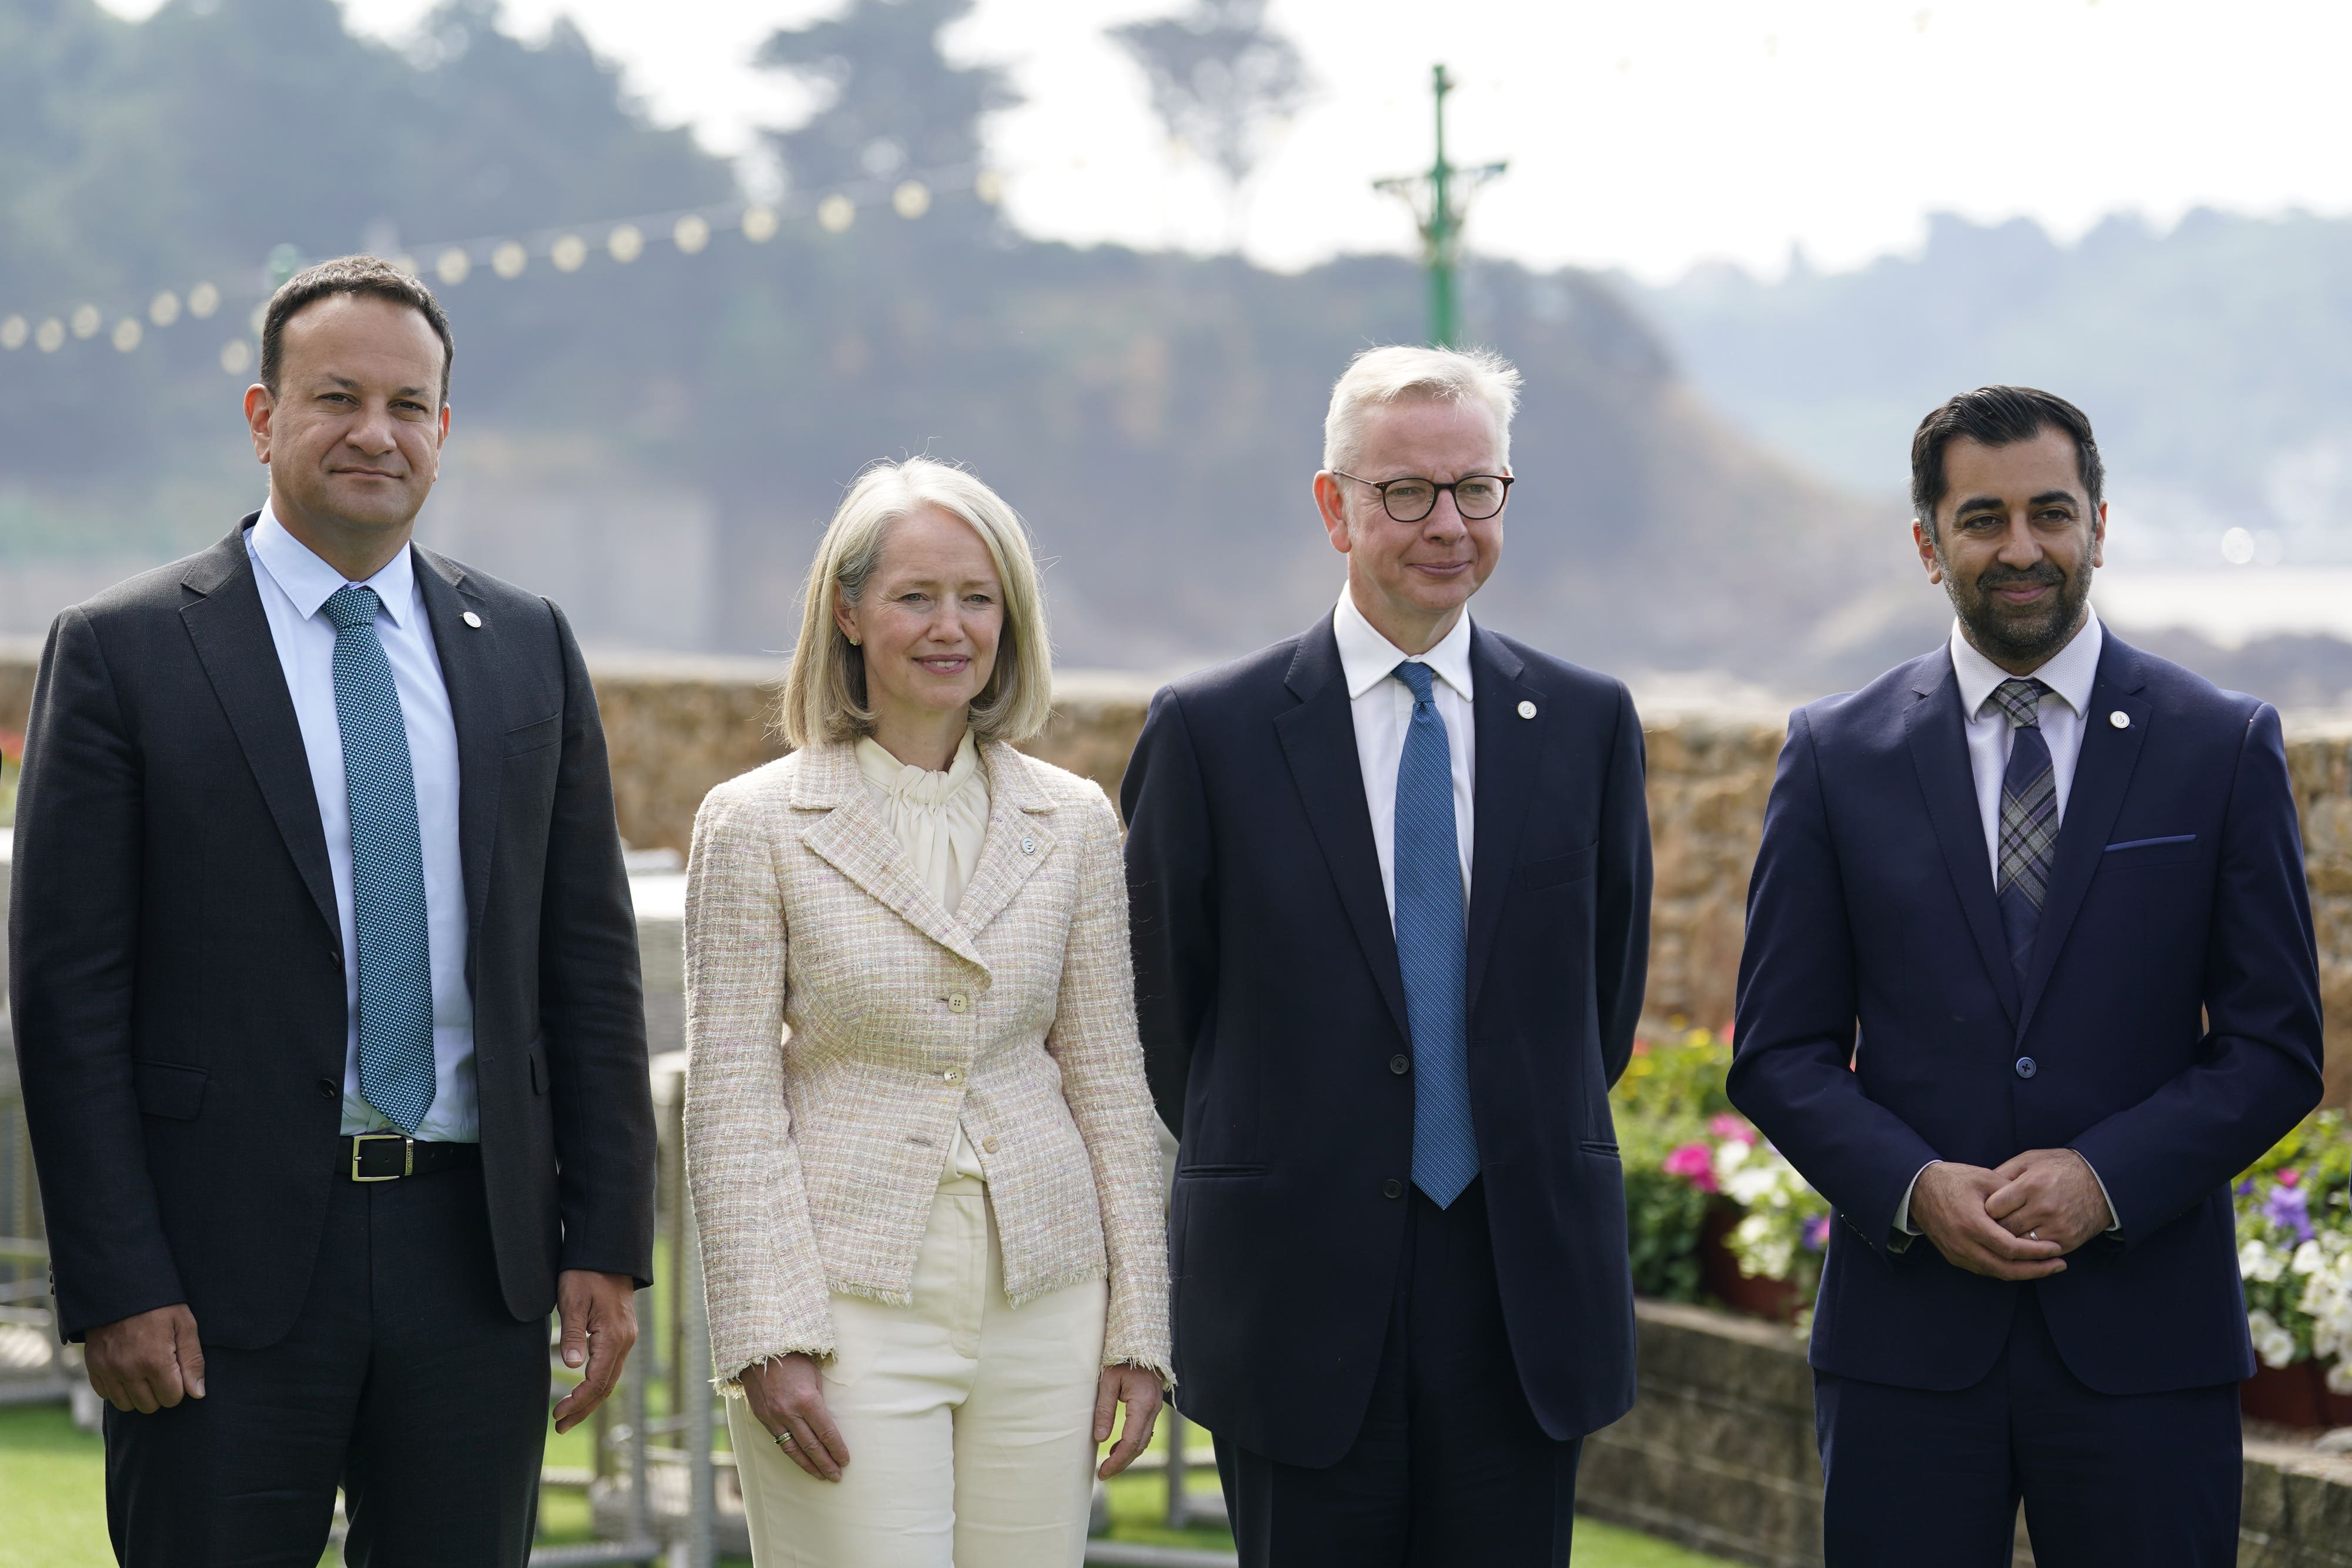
1390	882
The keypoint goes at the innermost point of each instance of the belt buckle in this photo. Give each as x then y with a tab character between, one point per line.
408	1155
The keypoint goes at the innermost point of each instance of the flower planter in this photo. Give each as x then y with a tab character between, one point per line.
1719	1273
2295	1396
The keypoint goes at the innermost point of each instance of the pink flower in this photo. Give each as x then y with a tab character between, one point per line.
1694	1162
1732	1128
1641	1047
2289	1177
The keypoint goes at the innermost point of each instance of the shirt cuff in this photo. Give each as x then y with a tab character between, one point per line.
2114	1221
1903	1226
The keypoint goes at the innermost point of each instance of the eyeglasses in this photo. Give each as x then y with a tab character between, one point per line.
1476	496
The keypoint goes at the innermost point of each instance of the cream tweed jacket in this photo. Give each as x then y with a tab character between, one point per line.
839	1022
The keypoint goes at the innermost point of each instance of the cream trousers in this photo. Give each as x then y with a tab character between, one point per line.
969	1421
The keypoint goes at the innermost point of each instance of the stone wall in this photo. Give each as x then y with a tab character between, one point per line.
677	726
1718	1454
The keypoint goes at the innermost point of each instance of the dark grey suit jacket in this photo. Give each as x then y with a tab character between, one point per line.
177	978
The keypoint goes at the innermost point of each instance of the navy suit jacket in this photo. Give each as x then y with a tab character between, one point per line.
2170	1013
1273	1027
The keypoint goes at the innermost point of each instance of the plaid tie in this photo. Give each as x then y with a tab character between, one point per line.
2029	818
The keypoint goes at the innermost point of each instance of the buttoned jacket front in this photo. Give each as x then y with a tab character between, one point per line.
840	1022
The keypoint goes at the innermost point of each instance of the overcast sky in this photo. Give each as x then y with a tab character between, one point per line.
1649	135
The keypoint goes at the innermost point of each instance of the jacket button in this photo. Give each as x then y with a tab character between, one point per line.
1400	1065
330	1089
988	1145
2025	1067
952	1076
1392	1188
958	1002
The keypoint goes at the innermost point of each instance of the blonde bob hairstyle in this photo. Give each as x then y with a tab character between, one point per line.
1379	377
824	689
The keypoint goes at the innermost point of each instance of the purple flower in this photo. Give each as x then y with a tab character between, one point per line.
1817	1233
2290	1209
2246	1188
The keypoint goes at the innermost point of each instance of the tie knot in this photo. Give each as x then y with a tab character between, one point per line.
2020	700
1417	675
351	607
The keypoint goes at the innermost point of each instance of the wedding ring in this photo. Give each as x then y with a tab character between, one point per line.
783	1439
2033	1235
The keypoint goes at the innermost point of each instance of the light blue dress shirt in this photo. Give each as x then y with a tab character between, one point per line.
294	585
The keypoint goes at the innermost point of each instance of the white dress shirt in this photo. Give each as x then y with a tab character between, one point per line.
1383	712
295	585
2070	674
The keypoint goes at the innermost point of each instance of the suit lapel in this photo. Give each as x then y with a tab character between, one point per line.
855	840
1508	747
2102	776
231	633
469	673
1318	740
1018	842
1939	754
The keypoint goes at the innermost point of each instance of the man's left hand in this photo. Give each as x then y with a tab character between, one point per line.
2050	1194
599	1314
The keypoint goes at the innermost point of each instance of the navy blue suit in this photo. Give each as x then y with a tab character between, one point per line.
1274	1026
2170	1015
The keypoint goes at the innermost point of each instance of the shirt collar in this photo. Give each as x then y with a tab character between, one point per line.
1367	658
2070	673
308	580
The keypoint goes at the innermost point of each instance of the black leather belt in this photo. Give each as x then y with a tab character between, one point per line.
388	1156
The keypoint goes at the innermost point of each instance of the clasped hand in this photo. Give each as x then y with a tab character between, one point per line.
2017	1221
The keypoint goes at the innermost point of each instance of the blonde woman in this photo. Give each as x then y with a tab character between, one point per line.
923	1157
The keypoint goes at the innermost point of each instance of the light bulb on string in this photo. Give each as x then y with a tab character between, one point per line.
236	355
691	234
164	308
13	333
836	213
452	266
509	259
989	186
759	224
259	318
626	243
405	263
127	334
49	336
568	253
203	300
912	199
87	320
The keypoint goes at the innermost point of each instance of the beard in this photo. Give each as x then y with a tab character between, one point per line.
2018	634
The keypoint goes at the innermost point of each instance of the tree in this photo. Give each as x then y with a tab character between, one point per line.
894	106
1221	81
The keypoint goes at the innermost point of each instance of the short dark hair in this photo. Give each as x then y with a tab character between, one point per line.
1996	416
350	275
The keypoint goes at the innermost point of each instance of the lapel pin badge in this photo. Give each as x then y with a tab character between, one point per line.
472	619
2120	720
1526	710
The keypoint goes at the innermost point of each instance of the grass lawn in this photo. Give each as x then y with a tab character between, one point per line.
52	1497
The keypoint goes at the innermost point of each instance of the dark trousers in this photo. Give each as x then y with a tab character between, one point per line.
1450	1469
1933	1479
405	1381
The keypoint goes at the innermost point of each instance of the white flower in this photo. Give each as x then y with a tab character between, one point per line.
2339	1379
2306	1259
2257	1262
2271	1343
1757	1243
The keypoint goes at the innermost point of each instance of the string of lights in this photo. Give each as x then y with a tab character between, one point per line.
566	247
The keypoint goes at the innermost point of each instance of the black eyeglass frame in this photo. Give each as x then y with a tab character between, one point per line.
1505	480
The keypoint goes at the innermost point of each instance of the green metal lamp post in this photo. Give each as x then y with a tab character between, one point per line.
1439	197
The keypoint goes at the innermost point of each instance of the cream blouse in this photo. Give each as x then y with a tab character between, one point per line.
941	820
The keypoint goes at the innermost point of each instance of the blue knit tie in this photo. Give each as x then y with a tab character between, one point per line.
387	870
1431	950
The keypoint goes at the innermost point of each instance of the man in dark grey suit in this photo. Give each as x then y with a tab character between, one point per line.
326	995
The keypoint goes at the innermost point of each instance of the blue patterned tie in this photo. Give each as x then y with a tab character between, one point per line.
387	870
1431	950
2029	819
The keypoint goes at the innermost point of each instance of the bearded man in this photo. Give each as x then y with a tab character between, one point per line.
2030	975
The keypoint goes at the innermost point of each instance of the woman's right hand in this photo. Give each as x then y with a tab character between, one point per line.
787	1397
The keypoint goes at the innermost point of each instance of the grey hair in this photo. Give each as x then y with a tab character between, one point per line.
1378	377
825	696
